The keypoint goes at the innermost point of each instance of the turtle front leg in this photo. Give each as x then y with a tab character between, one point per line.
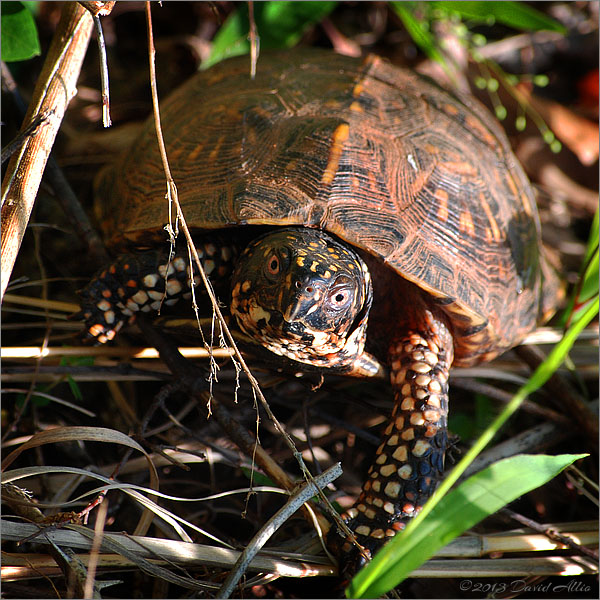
410	459
143	282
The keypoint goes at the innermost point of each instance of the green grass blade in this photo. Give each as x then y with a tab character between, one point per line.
476	498
418	29
376	570
514	14
587	289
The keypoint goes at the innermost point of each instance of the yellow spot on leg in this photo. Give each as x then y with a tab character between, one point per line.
392	489
400	454
421	447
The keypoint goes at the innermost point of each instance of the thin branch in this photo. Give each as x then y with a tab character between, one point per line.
22	137
254	40
103	73
552	533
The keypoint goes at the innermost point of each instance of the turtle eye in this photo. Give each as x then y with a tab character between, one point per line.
340	298
273	265
341	293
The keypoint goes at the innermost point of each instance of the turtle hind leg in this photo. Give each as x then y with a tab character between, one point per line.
143	281
409	461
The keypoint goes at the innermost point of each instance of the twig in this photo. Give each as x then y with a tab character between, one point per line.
59	373
21	352
98	8
552	533
54	89
529	406
62	190
103	73
90	580
254	39
23	136
302	495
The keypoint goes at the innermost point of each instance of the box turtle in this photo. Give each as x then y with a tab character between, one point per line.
363	216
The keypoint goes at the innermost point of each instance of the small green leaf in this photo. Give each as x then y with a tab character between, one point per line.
80	361
75	389
514	14
555	146
548	136
479	496
541	80
492	84
500	112
19	33
257	477
279	25
478	39
520	123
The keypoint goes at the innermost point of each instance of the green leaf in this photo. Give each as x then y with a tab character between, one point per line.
514	14
279	25
257	477
479	496
81	361
19	33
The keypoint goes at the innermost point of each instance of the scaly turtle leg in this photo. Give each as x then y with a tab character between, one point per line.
143	282
410	458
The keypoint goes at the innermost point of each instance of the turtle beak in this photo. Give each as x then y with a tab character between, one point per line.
304	298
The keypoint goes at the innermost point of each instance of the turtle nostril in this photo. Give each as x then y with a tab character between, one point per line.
310	289
298	284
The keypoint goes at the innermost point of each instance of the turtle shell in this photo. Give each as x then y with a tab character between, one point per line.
421	178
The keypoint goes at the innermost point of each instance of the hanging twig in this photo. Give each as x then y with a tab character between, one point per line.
103	73
172	196
254	39
97	10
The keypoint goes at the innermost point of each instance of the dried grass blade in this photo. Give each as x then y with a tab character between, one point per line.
91	434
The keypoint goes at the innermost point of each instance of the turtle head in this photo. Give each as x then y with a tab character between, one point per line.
303	295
